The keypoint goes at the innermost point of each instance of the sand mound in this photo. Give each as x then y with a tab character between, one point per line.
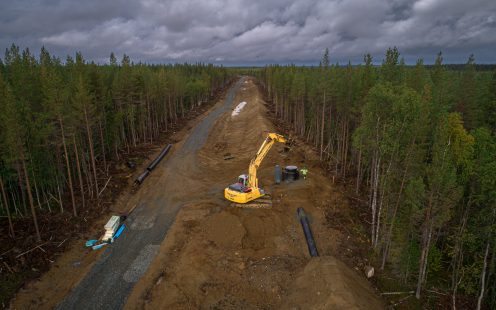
326	283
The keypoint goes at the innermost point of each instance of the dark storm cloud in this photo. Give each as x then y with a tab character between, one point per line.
235	31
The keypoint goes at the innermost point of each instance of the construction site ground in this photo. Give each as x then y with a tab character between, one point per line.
186	248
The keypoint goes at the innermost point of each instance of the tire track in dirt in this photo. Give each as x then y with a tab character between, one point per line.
113	276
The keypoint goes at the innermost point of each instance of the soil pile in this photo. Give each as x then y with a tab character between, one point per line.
326	283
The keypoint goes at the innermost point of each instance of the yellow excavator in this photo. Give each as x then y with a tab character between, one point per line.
246	189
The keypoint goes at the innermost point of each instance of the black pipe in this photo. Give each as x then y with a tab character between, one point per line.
312	248
160	156
277	173
142	177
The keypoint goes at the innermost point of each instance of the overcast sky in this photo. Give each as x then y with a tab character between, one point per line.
251	31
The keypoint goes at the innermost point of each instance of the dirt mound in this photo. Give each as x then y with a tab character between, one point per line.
326	283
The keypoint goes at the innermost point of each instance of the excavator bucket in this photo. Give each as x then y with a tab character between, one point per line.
290	142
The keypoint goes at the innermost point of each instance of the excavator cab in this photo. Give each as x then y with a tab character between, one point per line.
243	179
242	185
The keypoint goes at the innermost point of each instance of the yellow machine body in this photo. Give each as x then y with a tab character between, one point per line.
242	197
246	189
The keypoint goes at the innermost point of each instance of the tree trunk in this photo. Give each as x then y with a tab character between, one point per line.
395	211
345	148
102	142
182	107
458	256
331	148
36	191
483	278
30	197
322	127
69	175
90	145
4	195
359	166
60	196
426	242
150	119
21	188
80	176
375	198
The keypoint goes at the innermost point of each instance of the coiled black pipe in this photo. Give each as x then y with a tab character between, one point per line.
160	156
312	247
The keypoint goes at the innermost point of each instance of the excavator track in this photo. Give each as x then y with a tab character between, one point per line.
260	203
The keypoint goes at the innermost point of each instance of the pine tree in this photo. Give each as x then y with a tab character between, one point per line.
113	60
467	104
325	59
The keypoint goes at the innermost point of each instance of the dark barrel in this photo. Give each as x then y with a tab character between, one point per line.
277	174
291	173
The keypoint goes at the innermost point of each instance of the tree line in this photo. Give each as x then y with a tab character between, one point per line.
63	121
420	143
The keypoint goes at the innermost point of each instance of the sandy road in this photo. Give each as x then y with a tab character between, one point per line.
112	278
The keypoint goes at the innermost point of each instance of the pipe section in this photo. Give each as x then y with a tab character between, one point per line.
312	247
142	177
159	158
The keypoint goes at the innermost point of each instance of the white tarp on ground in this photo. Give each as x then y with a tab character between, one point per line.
238	108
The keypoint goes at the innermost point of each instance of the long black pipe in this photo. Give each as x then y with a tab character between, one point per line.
142	177
160	156
153	164
312	247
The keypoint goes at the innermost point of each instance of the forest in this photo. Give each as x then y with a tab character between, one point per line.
419	143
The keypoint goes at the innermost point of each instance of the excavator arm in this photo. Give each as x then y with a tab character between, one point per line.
262	152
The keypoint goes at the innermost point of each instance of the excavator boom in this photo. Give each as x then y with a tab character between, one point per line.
262	152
